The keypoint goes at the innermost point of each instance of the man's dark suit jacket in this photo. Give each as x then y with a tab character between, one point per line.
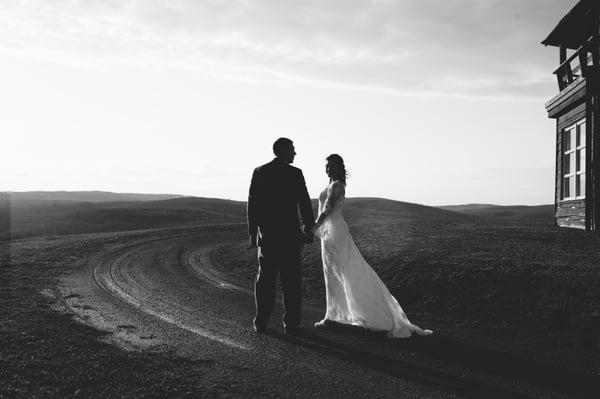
276	191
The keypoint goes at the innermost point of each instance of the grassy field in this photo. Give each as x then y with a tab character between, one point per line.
528	281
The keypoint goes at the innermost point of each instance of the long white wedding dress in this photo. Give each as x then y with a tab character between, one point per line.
355	294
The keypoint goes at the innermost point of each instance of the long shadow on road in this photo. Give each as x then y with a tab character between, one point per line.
497	364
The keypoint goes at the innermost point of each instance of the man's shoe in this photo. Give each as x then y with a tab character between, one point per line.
292	330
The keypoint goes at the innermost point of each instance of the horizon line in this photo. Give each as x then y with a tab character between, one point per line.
229	199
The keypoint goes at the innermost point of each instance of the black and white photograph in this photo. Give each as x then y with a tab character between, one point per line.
300	199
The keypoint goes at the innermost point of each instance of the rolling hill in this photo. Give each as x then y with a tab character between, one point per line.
88	196
360	209
512	212
26	215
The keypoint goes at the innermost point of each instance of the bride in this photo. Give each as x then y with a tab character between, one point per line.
355	294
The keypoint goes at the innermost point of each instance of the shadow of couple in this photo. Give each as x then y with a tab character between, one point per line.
458	367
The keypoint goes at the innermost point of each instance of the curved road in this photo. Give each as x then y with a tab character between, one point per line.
162	293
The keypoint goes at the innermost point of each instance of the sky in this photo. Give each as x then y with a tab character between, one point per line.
429	101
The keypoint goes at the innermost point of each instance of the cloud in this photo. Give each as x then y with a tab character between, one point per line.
465	48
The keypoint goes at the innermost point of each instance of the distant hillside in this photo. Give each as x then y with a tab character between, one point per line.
88	196
30	215
26	217
380	208
532	212
468	208
212	205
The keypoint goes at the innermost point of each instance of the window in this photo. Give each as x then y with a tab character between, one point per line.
573	164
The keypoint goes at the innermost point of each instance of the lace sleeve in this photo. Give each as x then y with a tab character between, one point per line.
334	192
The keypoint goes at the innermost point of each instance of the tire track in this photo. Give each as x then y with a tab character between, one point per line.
197	261
112	273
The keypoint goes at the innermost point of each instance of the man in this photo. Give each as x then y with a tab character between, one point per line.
276	191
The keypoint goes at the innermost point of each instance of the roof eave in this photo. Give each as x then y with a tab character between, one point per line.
574	17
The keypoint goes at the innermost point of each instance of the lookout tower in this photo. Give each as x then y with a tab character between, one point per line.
576	109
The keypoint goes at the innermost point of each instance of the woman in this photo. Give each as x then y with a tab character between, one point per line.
355	294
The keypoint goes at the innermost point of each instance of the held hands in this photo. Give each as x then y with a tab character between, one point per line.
309	234
308	238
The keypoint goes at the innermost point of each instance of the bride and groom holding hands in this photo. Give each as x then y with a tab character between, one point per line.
355	295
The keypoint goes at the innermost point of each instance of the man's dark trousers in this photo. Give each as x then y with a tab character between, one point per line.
274	259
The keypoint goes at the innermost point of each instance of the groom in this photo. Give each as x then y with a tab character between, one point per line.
277	190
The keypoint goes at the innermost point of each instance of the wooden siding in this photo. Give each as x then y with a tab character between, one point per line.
593	161
567	99
571	214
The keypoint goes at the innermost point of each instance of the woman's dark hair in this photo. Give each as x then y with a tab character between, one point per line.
339	161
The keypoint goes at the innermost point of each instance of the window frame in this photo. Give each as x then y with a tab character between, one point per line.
573	131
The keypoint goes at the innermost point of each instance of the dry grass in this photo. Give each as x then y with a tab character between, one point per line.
533	282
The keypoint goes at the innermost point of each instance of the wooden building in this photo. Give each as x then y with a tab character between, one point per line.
576	109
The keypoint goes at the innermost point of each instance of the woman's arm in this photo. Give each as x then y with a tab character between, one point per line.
334	192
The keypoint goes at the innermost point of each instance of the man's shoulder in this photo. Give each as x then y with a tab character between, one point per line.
279	166
262	167
295	169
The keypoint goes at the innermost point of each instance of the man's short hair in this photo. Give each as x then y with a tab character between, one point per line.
281	144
